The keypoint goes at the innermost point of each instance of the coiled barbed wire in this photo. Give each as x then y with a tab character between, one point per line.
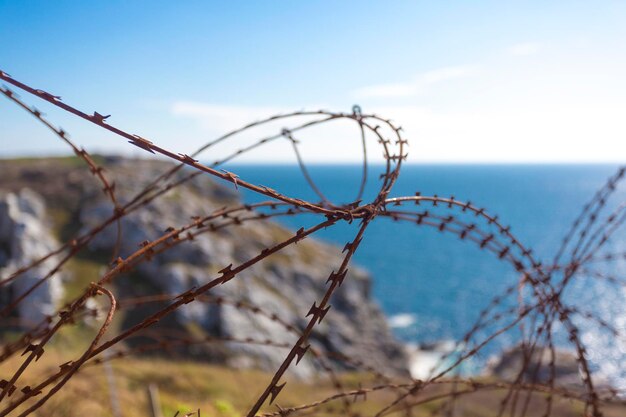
536	315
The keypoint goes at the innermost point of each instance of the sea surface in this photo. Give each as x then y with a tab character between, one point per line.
432	285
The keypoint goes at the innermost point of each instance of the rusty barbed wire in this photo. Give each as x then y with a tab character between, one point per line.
534	306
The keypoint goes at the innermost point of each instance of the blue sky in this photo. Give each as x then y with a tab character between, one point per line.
469	81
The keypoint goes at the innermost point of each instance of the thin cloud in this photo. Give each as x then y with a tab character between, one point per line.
524	49
537	133
219	117
418	84
333	142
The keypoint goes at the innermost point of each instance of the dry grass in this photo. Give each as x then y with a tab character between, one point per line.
186	386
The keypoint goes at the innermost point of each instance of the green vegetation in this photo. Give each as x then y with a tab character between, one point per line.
67	161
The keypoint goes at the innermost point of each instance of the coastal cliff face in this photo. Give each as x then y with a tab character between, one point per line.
64	200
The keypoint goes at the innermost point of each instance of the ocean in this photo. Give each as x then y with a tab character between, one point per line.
432	285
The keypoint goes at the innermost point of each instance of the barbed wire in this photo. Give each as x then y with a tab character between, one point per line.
534	306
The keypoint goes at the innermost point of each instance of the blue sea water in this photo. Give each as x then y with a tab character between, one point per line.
432	285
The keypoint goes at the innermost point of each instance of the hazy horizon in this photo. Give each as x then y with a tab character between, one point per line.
144	155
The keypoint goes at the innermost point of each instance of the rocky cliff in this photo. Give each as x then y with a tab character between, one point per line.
48	200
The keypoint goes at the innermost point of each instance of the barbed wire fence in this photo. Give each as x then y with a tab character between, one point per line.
540	307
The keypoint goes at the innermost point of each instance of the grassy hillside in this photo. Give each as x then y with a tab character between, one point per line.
186	386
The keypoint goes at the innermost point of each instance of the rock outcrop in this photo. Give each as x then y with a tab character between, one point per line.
25	237
536	368
285	285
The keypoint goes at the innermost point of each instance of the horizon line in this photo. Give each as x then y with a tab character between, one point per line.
333	163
